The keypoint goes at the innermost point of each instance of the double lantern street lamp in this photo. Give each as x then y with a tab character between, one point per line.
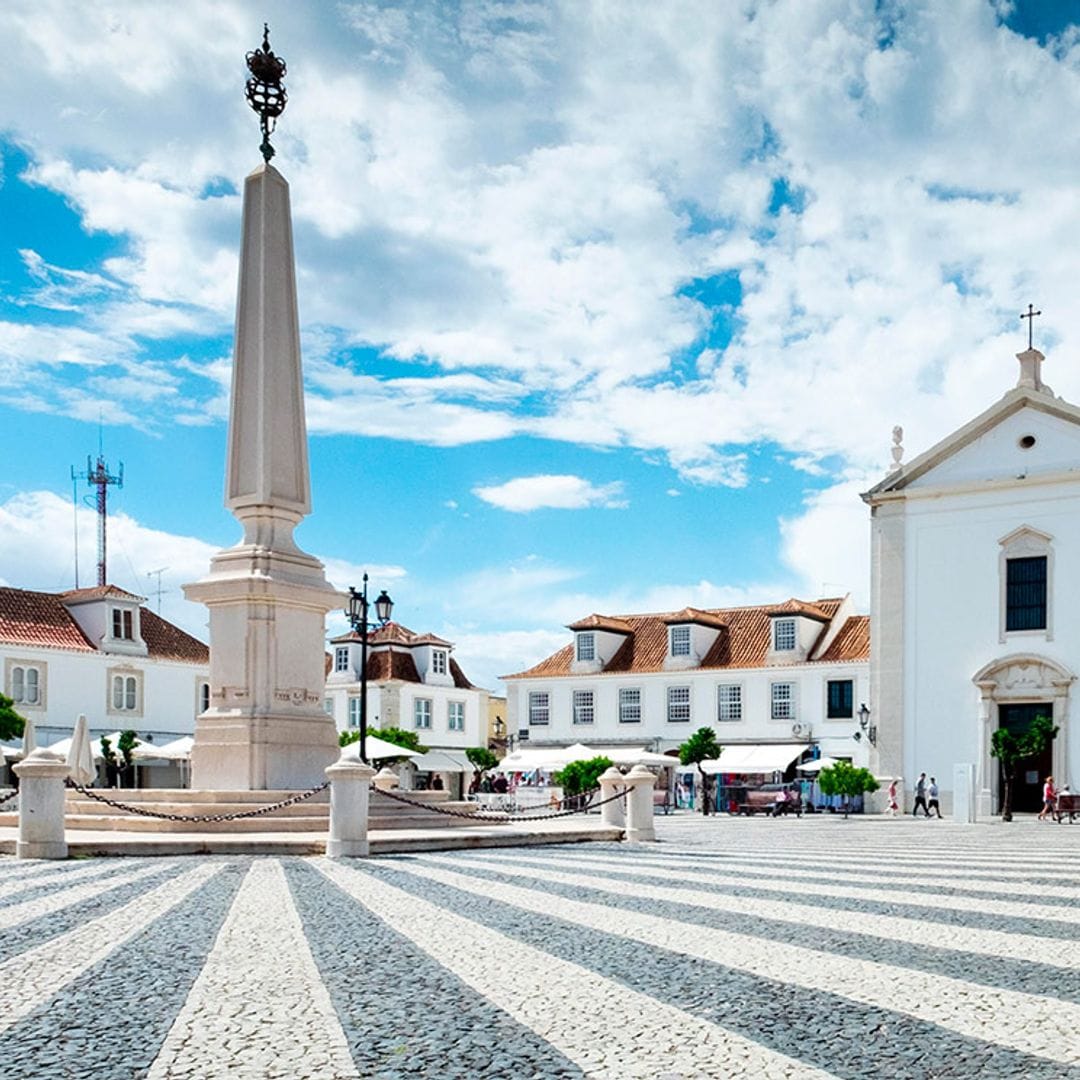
357	613
869	729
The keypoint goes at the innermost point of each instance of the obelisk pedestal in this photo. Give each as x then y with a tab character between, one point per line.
266	728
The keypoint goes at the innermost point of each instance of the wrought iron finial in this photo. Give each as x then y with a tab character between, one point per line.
1030	316
264	91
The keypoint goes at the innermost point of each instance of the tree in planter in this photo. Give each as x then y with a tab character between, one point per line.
701	746
579	777
11	723
112	763
481	759
1010	749
847	781
117	767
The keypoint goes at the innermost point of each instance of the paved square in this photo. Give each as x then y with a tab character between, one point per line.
733	948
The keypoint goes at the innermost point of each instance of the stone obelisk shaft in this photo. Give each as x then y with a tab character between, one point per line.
265	728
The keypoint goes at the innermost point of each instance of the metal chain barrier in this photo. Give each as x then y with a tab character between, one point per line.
7	798
503	817
143	812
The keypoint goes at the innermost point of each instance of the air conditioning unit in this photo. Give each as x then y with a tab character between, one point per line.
801	731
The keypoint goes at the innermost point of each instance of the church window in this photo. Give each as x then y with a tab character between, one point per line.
783	635
841	699
680	641
783	700
630	705
1025	594
539	707
678	704
728	703
586	646
583	707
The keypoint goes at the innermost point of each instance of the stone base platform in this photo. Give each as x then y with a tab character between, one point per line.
569	830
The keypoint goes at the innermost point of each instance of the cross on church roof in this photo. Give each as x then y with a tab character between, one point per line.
1030	316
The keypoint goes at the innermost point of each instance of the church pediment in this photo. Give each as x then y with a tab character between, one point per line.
1022	678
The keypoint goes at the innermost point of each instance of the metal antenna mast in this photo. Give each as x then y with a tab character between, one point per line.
159	590
98	476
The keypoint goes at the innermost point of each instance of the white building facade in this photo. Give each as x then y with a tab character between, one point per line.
98	651
795	672
975	573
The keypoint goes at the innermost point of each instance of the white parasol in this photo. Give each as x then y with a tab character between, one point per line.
80	758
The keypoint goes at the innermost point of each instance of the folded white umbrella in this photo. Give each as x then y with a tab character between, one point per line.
80	757
29	738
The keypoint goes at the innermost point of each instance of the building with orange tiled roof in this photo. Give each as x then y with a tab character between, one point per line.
790	673
413	682
98	651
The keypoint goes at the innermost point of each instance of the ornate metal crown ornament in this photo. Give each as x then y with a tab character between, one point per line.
264	91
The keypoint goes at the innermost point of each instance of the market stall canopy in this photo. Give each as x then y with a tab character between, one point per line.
442	761
177	750
377	750
545	757
822	762
628	756
757	758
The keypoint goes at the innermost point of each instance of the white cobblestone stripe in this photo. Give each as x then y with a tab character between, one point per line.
32	977
924	897
64	894
10	887
258	1008
609	1030
1018	1021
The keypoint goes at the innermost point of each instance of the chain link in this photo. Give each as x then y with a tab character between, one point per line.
503	817
8	797
143	812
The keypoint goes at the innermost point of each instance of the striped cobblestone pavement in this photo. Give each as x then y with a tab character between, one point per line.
733	948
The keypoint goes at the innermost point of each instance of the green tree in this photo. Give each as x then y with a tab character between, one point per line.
11	723
701	746
579	777
481	759
847	781
1011	748
112	764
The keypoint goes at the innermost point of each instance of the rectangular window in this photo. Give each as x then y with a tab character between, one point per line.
583	707
630	706
204	697
678	704
122	625
539	707
841	703
728	703
680	641
341	658
25	685
783	635
354	712
438	661
422	712
125	693
1025	593
783	701
586	646
328	706
455	715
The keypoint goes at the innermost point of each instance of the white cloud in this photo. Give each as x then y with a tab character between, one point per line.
562	492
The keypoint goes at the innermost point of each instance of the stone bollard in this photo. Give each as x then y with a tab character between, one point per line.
41	806
350	783
386	779
612	813
639	804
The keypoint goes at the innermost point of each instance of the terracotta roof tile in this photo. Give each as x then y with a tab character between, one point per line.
99	592
386	664
602	622
695	615
743	640
168	642
852	643
35	618
401	666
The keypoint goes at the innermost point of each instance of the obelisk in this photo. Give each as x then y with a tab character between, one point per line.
265	728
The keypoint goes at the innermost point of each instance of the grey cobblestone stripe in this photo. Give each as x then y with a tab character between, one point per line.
108	1023
34	976
773	991
62	909
460	1034
258	1007
914	946
612	1031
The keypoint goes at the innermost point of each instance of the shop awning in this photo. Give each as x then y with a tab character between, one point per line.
441	761
759	759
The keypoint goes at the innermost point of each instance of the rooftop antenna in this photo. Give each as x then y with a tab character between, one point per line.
98	476
75	519
159	590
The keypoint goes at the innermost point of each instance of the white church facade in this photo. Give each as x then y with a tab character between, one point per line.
975	567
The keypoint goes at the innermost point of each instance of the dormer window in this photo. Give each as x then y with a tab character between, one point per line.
586	646
341	658
438	661
123	624
783	635
680	640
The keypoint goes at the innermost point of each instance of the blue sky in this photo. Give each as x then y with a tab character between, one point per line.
604	307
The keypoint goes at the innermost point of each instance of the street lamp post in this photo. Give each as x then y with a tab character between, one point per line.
357	614
867	727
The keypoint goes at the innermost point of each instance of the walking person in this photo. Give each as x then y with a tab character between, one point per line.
1049	808
894	806
920	796
934	804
